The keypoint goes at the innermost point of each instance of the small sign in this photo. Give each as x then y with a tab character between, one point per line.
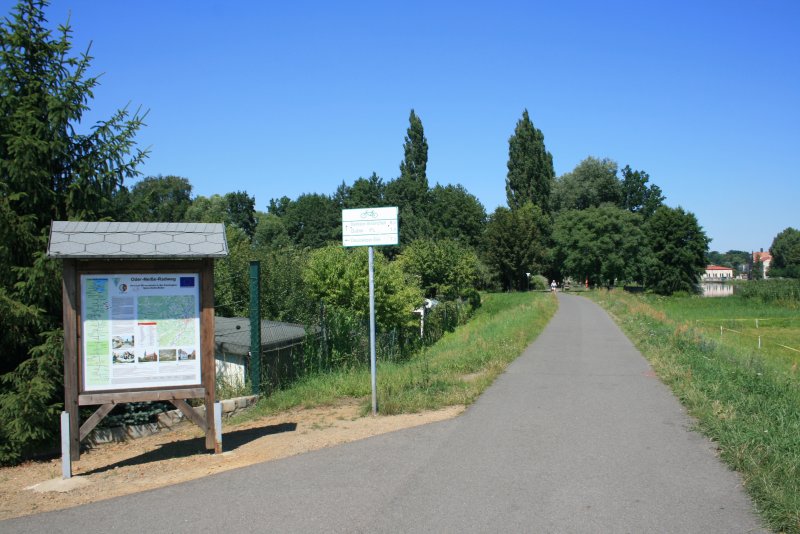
369	227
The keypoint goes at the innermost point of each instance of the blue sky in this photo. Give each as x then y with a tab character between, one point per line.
284	98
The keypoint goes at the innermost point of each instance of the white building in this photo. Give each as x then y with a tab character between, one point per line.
766	260
717	273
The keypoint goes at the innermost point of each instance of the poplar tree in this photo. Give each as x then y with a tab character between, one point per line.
530	167
415	161
409	192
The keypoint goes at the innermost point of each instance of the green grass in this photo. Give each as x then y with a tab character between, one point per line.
453	371
746	400
743	321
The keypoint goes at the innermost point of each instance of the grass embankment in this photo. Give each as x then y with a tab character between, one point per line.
455	370
745	399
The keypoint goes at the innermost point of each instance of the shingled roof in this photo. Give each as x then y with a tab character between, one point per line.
232	335
93	240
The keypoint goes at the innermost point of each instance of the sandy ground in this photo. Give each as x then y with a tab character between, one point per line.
179	455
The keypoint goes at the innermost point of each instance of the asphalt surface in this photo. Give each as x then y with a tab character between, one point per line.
576	436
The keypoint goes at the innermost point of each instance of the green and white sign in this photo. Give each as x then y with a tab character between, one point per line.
366	227
140	330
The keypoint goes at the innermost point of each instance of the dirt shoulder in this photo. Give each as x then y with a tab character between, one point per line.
179	455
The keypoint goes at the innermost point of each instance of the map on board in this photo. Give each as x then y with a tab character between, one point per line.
175	316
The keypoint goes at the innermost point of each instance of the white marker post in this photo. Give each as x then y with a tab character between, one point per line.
66	461
370	227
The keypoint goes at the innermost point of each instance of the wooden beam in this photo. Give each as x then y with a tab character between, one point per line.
69	293
189	413
128	266
207	362
95	418
88	399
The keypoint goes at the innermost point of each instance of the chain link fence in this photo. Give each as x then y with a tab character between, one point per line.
335	339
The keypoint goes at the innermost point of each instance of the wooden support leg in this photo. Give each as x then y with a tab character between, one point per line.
96	417
189	413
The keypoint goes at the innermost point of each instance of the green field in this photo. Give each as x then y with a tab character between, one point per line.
745	399
739	323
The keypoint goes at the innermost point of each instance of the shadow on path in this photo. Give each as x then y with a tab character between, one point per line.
189	447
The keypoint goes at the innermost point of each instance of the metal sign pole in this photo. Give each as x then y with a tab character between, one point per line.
365	227
372	333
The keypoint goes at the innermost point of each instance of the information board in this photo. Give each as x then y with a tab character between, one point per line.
140	330
369	227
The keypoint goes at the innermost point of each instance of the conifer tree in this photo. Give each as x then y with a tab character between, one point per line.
48	171
530	167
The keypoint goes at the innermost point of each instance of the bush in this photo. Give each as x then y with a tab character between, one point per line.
539	283
31	400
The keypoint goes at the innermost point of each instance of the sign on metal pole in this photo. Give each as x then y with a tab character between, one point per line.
368	227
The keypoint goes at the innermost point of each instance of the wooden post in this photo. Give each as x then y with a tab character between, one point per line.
208	363
69	292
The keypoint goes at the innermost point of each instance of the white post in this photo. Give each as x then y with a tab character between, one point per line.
218	426
759	342
66	460
372	365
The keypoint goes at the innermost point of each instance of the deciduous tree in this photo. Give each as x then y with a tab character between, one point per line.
457	214
637	196
313	220
446	268
678	247
591	184
517	242
602	245
785	252
339	277
160	199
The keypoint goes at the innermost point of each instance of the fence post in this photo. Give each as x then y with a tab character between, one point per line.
255	327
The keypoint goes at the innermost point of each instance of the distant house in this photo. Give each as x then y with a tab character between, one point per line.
717	273
766	260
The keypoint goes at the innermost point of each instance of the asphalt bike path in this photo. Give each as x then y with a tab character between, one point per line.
576	436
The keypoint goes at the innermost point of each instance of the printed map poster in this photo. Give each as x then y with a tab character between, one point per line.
140	330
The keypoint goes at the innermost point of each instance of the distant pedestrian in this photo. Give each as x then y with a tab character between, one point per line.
553	286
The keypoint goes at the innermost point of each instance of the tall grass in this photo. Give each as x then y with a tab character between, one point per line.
454	370
784	292
748	406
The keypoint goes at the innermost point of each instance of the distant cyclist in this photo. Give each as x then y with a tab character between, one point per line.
553	285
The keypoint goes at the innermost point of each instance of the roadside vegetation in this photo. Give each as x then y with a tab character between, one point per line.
453	371
747	400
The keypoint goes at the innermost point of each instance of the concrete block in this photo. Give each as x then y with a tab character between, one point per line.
228	405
